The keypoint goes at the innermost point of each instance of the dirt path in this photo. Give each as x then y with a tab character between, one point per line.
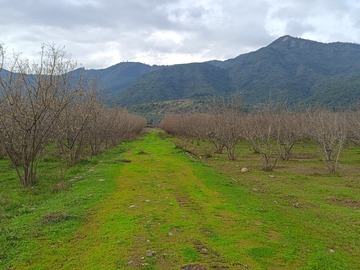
161	216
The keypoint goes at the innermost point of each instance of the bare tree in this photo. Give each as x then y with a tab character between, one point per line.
75	121
172	124
97	133
214	133
227	125
111	126
32	98
289	127
354	126
2	150
259	131
227	131
126	125
328	129
221	126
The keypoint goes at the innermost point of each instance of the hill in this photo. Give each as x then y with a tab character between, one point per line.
290	70
189	81
296	71
115	79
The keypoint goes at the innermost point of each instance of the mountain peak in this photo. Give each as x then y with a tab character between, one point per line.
284	39
288	42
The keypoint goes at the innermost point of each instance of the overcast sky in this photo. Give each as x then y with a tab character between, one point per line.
100	33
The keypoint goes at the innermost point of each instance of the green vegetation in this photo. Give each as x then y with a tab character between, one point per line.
313	215
154	111
117	78
292	70
150	205
49	213
194	81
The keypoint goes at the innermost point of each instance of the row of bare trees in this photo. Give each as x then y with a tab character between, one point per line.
92	127
47	102
270	133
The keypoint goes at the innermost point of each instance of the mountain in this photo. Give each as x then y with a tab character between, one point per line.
296	71
115	79
293	70
189	81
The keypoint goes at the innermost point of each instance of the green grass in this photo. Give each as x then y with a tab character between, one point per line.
51	211
106	214
304	208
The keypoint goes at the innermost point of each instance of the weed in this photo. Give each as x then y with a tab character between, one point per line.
190	254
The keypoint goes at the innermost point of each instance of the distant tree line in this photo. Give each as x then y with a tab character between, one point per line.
270	131
48	103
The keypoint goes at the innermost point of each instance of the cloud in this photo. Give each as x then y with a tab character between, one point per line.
99	33
297	28
323	20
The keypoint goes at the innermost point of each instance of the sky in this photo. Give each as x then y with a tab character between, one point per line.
101	33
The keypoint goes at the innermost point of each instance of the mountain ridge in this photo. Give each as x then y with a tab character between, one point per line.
289	68
293	70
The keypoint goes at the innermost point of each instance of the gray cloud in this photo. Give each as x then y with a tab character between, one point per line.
99	33
297	28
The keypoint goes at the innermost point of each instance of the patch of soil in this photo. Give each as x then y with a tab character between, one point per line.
202	249
56	217
354	204
185	202
194	267
304	156
296	202
217	263
124	160
182	201
274	236
305	171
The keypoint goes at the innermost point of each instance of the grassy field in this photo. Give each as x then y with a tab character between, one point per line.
149	205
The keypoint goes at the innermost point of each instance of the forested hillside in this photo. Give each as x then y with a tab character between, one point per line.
194	81
292	70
